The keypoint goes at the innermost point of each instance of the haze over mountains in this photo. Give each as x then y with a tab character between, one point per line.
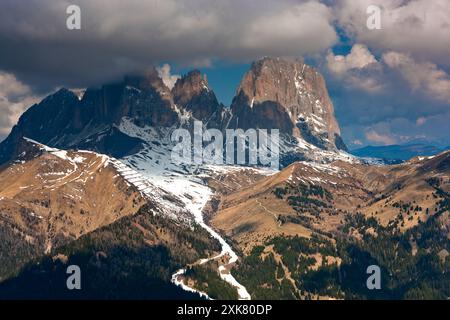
205	228
398	152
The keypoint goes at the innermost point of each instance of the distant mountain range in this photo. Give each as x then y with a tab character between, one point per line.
398	152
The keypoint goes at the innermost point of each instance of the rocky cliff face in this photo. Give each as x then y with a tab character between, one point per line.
64	120
143	200
288	95
274	94
192	93
143	97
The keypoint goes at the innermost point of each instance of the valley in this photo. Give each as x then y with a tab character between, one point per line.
96	185
301	227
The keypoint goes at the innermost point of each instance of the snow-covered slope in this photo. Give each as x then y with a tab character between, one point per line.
178	193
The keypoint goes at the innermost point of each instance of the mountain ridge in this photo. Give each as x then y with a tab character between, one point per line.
91	121
262	233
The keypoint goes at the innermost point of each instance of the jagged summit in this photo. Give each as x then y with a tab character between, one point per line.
192	93
147	79
127	191
292	96
284	94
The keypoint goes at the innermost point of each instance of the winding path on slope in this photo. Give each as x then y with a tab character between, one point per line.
148	183
199	195
269	211
224	272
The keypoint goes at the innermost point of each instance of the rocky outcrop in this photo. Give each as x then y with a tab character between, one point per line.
274	94
64	121
192	94
144	98
288	95
52	117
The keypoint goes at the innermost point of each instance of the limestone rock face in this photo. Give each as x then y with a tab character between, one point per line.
292	96
193	93
282	94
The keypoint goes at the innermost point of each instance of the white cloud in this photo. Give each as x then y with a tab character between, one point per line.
168	78
290	31
420	27
356	142
421	121
400	130
381	138
368	83
358	58
359	68
15	98
424	76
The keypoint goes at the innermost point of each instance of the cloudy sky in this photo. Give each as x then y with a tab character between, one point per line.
389	86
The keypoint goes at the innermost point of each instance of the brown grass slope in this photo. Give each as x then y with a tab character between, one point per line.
48	200
306	198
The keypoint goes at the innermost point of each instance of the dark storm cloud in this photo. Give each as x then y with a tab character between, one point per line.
393	85
119	36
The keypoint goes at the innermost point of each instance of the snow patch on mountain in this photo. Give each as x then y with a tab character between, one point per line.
151	171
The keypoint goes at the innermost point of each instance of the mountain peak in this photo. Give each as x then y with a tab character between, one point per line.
188	86
146	80
281	80
297	93
276	93
193	93
61	94
277	62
